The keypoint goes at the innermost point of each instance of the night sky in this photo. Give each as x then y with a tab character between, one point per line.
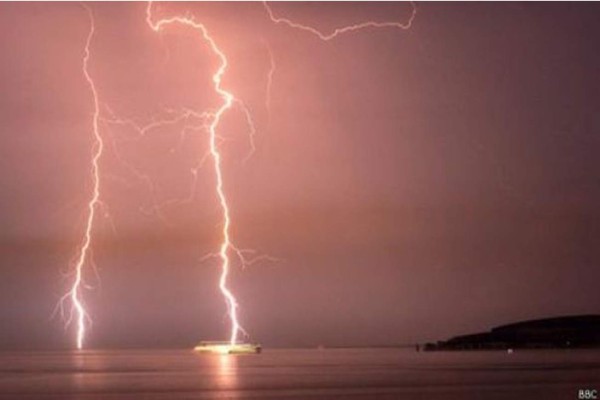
412	185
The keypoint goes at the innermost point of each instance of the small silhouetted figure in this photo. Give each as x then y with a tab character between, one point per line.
417	347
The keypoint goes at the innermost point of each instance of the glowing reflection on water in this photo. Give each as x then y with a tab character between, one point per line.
225	366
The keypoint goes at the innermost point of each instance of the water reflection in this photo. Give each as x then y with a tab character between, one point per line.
226	368
85	369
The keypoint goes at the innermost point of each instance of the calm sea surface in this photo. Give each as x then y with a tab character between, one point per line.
299	374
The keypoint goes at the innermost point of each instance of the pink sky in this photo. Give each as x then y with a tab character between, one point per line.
413	184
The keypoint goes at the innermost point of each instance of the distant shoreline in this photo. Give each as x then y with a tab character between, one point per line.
567	332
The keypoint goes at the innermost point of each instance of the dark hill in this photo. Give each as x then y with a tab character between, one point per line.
561	332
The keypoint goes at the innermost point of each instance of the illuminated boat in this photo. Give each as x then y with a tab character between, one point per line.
215	347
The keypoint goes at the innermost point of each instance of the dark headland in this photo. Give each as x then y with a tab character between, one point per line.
582	331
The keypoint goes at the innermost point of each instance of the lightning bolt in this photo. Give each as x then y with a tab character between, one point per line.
189	120
227	102
75	293
270	74
345	29
210	121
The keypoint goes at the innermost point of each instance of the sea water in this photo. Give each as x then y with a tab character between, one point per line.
384	373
